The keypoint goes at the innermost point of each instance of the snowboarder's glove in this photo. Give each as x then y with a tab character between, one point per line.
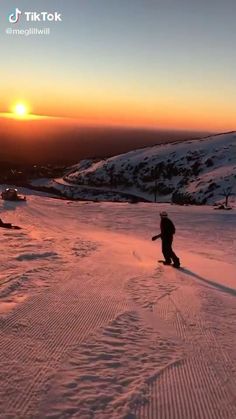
156	237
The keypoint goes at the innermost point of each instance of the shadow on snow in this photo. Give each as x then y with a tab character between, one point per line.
221	287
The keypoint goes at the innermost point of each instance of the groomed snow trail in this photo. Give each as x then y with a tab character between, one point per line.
38	334
62	312
91	329
203	384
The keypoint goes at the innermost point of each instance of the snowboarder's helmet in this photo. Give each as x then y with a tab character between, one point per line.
163	214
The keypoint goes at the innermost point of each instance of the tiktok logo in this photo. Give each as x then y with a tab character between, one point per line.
35	16
15	16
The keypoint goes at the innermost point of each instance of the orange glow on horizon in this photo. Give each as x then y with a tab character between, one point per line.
164	112
26	117
152	113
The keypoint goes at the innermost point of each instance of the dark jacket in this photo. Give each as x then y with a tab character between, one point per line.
167	228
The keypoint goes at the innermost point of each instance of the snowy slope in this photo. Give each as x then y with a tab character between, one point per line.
92	326
198	171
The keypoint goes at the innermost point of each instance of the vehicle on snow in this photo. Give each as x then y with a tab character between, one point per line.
11	194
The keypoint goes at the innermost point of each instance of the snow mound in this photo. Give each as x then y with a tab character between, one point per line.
190	172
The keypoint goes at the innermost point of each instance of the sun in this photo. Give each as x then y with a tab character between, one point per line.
20	110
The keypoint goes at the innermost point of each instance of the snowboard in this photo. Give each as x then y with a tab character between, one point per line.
176	267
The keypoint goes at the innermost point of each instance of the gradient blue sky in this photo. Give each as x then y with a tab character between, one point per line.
149	62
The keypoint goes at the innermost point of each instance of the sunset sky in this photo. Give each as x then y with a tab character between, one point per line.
154	63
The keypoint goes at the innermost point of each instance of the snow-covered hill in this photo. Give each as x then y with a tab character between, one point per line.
198	171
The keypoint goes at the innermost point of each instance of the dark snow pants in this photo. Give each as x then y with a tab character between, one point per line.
167	250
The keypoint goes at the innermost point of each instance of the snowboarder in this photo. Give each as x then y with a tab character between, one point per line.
166	235
8	225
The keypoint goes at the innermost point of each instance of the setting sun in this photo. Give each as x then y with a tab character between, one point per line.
20	110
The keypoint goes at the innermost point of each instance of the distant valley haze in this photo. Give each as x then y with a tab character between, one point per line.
54	140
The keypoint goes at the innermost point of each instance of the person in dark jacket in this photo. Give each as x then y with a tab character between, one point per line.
167	234
8	225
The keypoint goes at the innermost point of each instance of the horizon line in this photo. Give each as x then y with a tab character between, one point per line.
92	123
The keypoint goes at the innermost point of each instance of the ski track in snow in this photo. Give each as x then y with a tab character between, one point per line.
90	330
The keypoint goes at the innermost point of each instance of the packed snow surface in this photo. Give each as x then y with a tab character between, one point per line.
92	326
